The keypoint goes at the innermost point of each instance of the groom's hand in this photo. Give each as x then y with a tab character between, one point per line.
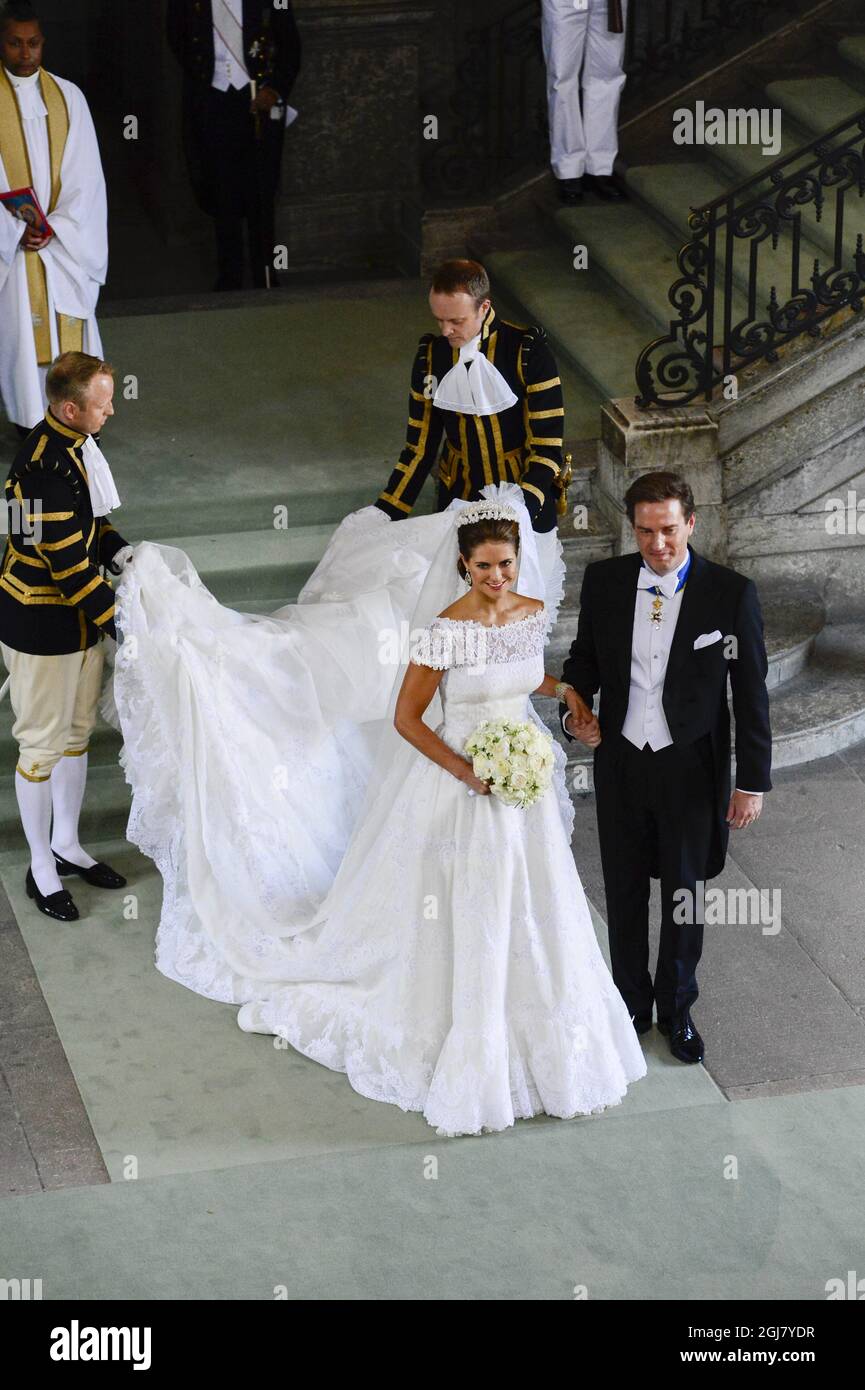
580	721
744	808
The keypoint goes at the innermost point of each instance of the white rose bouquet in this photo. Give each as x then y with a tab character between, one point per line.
515	758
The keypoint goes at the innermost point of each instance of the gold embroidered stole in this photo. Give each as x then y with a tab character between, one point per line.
16	159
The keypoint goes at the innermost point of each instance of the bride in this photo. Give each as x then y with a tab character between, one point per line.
331	861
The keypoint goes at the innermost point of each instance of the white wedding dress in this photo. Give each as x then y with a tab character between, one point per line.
348	892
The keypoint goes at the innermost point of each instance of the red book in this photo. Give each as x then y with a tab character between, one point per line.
23	204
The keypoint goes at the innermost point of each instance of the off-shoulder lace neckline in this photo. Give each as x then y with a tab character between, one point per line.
494	627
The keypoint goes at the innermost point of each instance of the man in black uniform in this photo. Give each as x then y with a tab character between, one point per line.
234	139
493	390
55	611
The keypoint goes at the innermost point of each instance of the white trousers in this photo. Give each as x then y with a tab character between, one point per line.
584	85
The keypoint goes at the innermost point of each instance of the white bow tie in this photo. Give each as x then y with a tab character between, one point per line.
104	496
474	386
666	583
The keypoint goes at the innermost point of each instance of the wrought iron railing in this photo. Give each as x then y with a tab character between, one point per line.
671	36
750	280
494	130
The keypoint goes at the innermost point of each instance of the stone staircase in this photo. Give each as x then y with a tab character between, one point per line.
599	319
791	442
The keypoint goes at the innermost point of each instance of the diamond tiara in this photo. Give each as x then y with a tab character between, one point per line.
484	511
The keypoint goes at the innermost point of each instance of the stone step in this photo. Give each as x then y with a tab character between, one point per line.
582	397
241	513
793	620
816	103
255	564
809	367
591	328
671	190
820	485
822	711
787	460
852	50
737	162
752	537
611	232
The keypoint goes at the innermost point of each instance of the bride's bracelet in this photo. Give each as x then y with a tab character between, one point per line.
561	687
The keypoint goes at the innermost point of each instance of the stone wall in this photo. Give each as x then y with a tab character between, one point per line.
778	474
352	167
351	193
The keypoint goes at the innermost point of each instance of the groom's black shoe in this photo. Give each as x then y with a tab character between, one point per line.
685	1042
642	1022
57	905
99	875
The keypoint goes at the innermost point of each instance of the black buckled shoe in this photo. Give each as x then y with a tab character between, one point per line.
642	1022
685	1042
99	875
57	905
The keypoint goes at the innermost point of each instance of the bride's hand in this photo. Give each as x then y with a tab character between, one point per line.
475	784
581	722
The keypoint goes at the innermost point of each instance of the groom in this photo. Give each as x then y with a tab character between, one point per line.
659	633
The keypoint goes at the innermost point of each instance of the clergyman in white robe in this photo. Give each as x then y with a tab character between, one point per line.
48	309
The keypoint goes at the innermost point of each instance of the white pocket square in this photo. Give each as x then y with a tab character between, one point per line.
706	639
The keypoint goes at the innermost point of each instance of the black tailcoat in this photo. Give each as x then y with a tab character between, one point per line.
694	699
190	37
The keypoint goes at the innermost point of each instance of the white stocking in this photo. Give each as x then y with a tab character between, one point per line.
34	803
68	781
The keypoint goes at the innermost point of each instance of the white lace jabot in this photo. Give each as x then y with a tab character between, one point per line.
474	385
104	496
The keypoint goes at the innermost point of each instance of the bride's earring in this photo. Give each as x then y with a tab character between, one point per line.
467	577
